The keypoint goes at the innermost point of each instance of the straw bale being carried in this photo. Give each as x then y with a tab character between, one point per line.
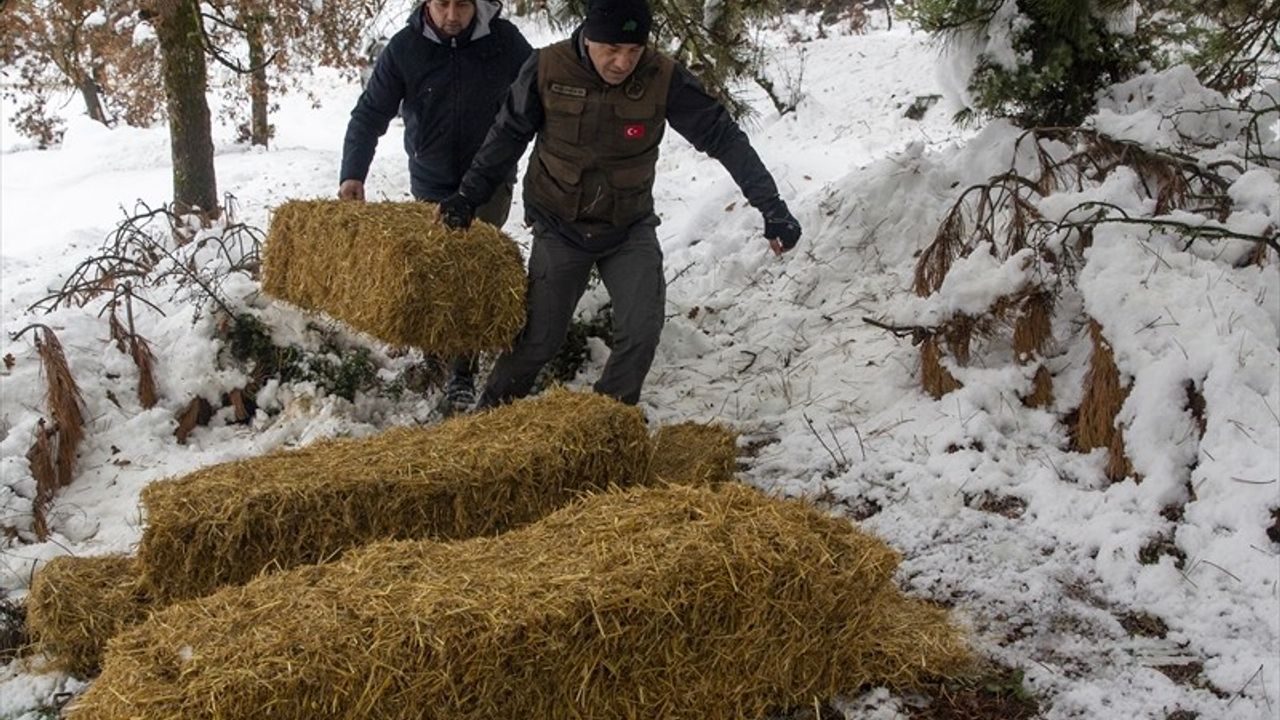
692	453
472	475
670	602
76	604
393	271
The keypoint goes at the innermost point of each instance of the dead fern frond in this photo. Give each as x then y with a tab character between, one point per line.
959	332
40	460
936	259
1032	333
1041	389
144	359
62	398
198	412
1034	327
934	376
1104	396
119	335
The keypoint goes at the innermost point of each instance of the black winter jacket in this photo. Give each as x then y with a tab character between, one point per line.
448	93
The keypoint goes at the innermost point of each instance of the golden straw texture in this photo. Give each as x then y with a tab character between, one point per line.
472	475
393	271
667	603
691	453
76	604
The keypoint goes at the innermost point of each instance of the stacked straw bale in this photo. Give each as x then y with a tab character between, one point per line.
669	602
76	604
472	475
691	453
393	271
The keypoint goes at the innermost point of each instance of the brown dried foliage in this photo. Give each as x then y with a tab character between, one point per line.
934	377
129	341
63	401
198	412
119	335
1104	396
936	259
238	404
1032	332
1004	213
959	333
40	459
140	351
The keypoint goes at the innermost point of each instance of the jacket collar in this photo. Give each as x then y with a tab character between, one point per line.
486	12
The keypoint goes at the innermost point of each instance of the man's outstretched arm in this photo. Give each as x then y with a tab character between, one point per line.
517	122
707	125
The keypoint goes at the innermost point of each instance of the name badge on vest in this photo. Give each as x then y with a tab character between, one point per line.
569	90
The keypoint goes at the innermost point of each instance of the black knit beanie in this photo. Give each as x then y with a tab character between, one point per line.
618	22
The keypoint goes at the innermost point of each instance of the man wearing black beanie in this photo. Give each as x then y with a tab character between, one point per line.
598	104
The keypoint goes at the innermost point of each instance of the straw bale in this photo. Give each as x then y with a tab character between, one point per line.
1104	396
691	453
77	604
669	602
393	271
472	475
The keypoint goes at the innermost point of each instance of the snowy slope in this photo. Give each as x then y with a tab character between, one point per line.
831	407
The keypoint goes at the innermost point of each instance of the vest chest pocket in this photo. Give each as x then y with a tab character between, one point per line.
554	184
563	118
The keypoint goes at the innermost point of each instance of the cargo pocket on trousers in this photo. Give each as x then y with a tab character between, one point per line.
535	324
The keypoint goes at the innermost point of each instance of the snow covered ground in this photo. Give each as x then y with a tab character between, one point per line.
1036	551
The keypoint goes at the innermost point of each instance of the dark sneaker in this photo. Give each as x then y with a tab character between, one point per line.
459	395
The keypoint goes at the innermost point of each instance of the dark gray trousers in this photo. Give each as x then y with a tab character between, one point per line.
558	275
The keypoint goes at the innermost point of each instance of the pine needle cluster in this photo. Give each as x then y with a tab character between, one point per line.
1065	50
710	37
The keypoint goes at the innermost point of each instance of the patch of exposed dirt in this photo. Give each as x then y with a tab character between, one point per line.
1005	505
1159	546
1143	624
13	630
998	692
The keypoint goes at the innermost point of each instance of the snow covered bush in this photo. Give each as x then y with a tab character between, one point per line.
1059	242
1034	62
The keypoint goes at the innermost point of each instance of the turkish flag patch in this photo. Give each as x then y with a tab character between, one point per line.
633	131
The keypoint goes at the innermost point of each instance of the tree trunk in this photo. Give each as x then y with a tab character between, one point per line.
92	99
259	130
177	25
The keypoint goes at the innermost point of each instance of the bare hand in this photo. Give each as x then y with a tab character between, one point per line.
776	246
351	190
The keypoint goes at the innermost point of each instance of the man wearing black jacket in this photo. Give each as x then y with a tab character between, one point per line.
598	104
447	73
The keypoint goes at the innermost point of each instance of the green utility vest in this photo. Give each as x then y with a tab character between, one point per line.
593	164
